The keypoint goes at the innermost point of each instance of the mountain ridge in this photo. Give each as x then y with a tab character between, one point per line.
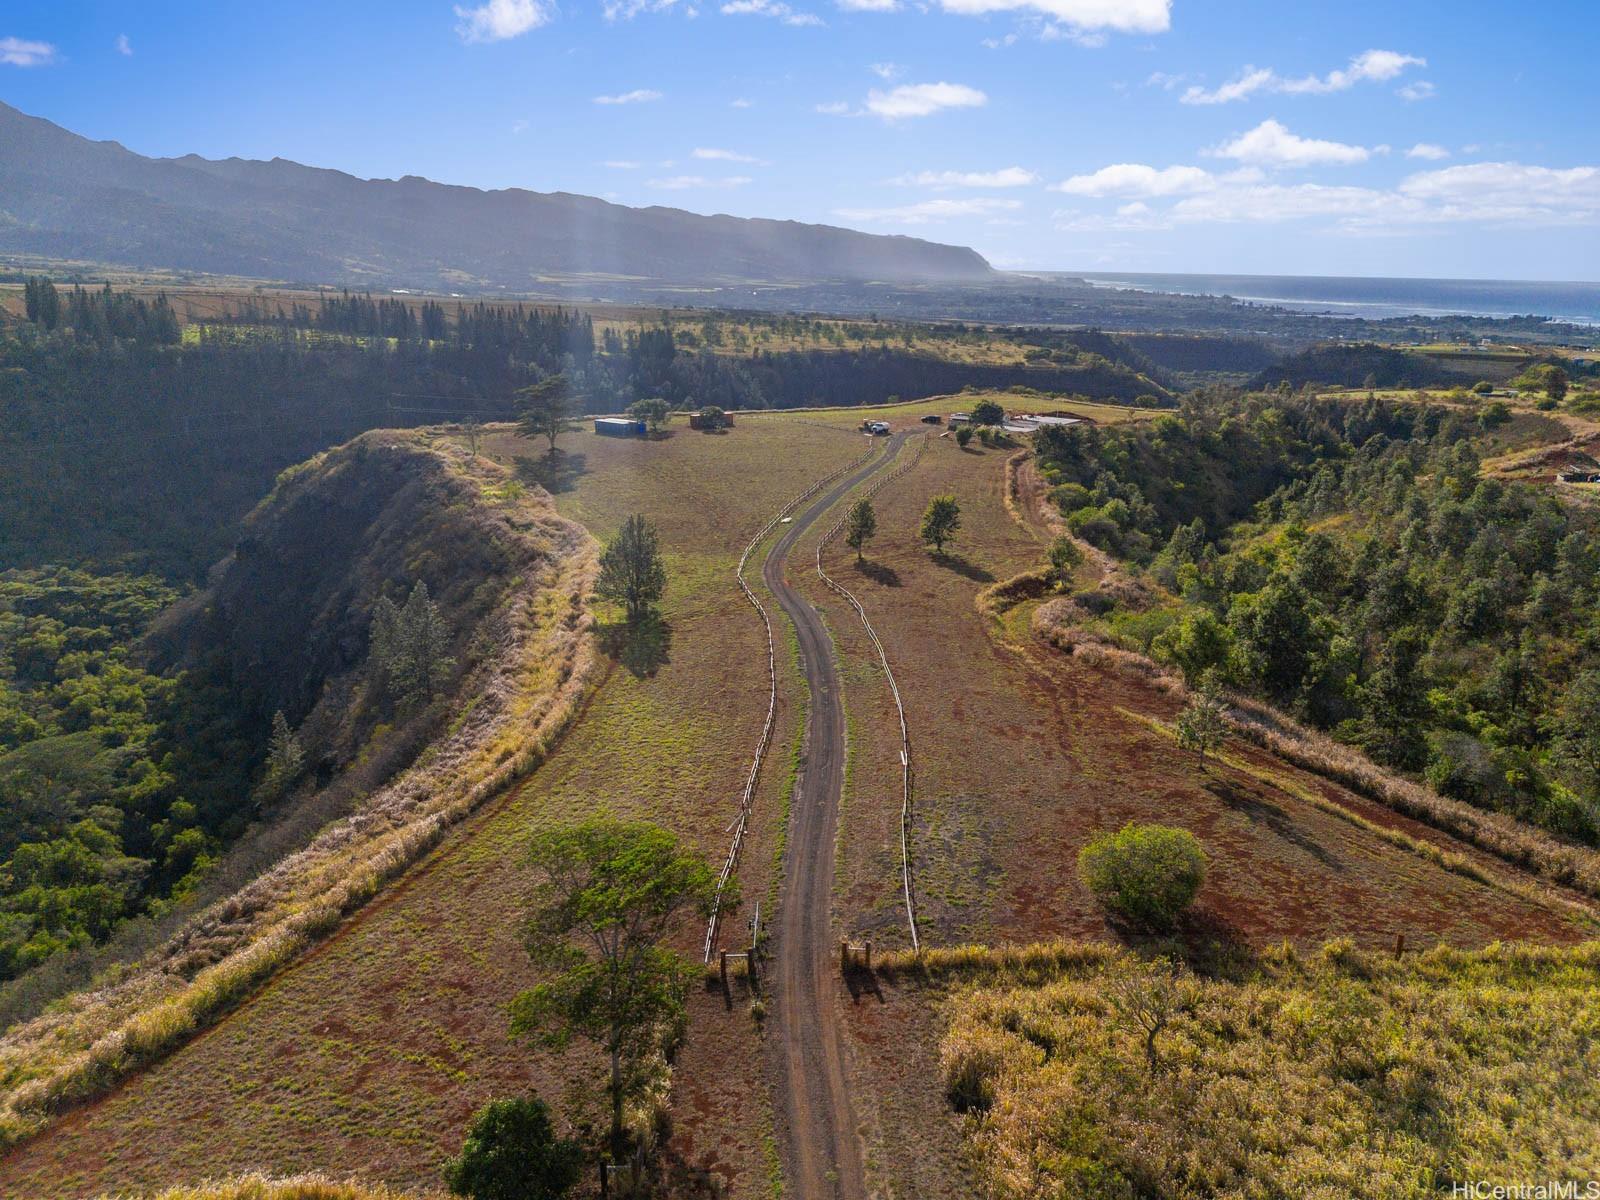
65	196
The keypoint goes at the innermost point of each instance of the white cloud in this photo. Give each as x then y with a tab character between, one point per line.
1270	144
1370	66
1000	43
1086	16
621	164
869	5
520	125
498	20
1164	80
922	99
740	102
885	70
637	96
1137	179
711	154
626	10
926	211
776	9
124	46
836	108
678	183
1006	177
1428	150
1511	194
14	52
1420	90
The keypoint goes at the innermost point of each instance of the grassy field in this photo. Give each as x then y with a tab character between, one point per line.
377	1048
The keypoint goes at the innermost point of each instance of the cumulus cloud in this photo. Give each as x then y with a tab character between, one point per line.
637	96
1137	179
15	52
740	102
626	10
1006	177
926	211
885	70
1482	193
922	99
1370	66
679	183
498	20
1270	144
1428	150
1420	90
124	46
1083	16
712	154
870	5
776	9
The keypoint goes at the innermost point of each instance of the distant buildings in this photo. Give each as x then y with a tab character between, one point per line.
620	427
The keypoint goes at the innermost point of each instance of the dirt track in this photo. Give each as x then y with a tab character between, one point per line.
822	1152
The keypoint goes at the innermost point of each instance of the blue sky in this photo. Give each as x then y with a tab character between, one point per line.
1251	136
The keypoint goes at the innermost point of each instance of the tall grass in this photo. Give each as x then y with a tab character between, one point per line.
513	706
1335	1073
260	1187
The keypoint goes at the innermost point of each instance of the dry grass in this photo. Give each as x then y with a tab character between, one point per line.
1335	1073
1551	860
260	1187
522	697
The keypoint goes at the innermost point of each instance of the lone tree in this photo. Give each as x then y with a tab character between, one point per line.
860	525
1065	558
1147	873
285	758
987	412
609	893
512	1153
654	412
408	647
1201	725
547	409
940	521
631	570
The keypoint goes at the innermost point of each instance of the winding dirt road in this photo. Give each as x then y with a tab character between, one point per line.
822	1154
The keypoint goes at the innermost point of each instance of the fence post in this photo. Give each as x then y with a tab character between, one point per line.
867	961
844	958
750	962
724	962
605	1182
1399	944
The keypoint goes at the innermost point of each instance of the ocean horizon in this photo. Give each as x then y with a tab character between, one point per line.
1373	297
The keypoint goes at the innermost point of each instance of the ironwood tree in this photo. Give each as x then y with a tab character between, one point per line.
547	408
860	525
609	893
631	570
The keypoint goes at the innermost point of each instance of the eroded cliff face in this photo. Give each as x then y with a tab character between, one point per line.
286	619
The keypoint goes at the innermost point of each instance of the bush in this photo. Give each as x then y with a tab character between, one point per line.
1147	873
512	1153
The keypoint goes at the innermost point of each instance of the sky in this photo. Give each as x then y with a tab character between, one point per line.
1413	138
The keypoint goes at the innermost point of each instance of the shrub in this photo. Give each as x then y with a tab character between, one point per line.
512	1153
1147	873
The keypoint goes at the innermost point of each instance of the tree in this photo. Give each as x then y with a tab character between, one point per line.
1555	383
963	435
860	525
631	570
408	647
1577	729
512	1153
1065	558
987	412
285	758
609	893
1202	725
654	412
940	521
547	408
1147	873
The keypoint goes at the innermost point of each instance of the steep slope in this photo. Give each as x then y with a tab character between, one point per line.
64	196
288	612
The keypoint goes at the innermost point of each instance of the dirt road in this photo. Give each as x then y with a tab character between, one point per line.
822	1154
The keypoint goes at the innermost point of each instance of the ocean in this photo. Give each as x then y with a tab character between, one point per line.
1348	296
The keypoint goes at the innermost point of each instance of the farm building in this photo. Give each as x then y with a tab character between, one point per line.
619	426
701	420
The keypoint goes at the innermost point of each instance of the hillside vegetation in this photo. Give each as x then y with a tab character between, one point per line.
287	621
1331	1073
1348	564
